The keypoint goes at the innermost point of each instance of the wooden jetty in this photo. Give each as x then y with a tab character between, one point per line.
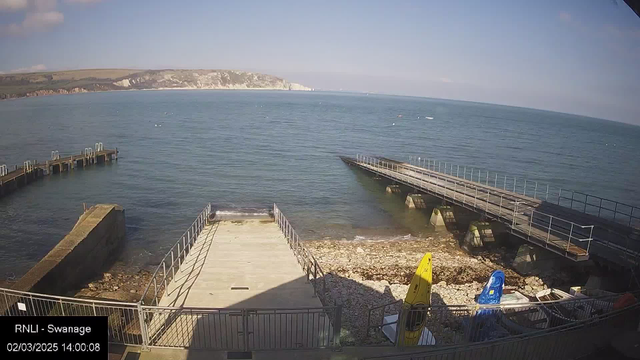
31	170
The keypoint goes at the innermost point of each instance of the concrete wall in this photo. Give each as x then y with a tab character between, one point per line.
85	251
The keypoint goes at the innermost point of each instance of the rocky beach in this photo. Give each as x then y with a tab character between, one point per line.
363	274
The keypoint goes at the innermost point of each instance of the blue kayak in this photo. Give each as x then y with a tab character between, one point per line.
484	323
492	291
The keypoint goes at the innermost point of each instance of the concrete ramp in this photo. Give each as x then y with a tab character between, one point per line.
241	288
240	264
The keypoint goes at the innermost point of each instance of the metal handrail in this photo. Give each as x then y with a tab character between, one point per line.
176	255
466	350
494	179
65	298
603	303
575	298
452	188
310	265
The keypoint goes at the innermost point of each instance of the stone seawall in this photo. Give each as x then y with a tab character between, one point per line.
90	247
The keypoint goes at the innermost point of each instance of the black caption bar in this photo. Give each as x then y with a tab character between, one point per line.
53	337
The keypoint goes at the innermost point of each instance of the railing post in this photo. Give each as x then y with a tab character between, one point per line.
530	223
600	208
464	194
572	194
164	274
559	195
525	188
590	238
144	332
245	329
155	289
514	184
495	184
471	175
487	181
337	325
549	231
570	233
486	210
173	268
475	199
458	171
515	211
535	190
505	183
400	325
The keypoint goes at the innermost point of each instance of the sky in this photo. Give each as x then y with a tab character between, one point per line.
580	56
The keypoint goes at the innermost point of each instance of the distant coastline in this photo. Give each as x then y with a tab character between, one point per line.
14	86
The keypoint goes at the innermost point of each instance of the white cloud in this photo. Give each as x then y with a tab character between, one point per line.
33	21
34	68
39	15
41	20
44	5
13	5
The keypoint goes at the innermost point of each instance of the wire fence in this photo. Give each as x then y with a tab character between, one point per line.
552	232
616	211
244	329
123	318
569	341
450	325
170	264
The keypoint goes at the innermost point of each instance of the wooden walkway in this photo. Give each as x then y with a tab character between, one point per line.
564	231
33	170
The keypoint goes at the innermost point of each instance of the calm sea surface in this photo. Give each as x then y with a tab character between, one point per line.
253	148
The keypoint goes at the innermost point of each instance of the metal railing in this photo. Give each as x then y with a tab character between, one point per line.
170	264
616	211
244	329
569	341
194	327
448	325
310	265
554	233
123	318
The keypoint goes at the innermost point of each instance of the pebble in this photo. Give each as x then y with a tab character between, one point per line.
366	274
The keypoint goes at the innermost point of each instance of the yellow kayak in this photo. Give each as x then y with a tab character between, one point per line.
417	301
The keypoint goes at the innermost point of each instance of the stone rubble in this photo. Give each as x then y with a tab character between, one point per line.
118	286
365	274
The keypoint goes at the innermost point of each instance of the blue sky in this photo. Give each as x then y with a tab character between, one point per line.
577	56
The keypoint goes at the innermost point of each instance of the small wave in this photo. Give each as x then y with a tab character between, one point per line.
383	238
240	213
